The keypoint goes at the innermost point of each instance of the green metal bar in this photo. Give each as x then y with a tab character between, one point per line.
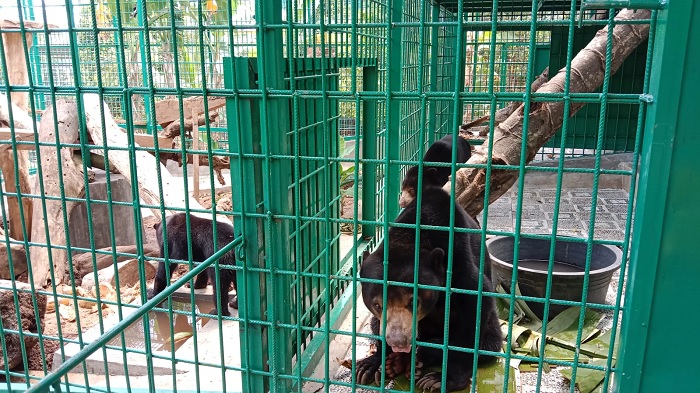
121	66
626	249
594	197
434	54
65	368
145	65
521	189
370	82
394	79
557	198
275	124
663	277
242	114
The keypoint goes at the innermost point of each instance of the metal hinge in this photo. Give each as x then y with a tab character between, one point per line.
632	4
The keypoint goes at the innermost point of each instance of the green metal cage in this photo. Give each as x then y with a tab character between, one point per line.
328	103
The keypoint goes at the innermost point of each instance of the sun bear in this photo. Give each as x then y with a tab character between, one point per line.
202	248
430	305
440	151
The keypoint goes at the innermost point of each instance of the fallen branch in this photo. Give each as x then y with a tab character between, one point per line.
173	129
545	118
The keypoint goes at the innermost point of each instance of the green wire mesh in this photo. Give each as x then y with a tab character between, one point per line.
327	104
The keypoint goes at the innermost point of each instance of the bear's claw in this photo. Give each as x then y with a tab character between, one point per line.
430	381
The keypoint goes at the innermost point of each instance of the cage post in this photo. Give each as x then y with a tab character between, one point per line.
392	132
277	175
244	115
144	65
434	53
659	321
120	65
370	81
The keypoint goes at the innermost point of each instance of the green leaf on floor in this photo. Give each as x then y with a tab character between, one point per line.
600	346
534	323
565	325
503	307
519	335
587	380
489	378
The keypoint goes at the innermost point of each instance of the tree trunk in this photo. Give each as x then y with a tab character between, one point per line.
73	187
17	75
545	119
173	191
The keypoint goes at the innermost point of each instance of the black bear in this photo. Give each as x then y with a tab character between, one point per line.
430	304
440	151
202	248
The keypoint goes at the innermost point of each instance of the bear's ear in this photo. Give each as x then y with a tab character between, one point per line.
430	172
437	256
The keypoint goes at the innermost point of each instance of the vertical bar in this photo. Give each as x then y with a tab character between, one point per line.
663	268
434	53
141	6
242	114
275	124
120	63
393	109
370	82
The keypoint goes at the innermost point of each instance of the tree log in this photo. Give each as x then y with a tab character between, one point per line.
73	187
546	118
503	113
173	129
168	111
20	120
173	191
82	264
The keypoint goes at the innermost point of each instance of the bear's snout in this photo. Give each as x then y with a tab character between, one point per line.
399	330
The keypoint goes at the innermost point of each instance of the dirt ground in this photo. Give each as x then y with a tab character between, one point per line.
88	316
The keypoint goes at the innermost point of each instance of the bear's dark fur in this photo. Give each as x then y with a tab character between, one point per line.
434	245
440	151
202	248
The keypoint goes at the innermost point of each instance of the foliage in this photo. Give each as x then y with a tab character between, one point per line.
347	176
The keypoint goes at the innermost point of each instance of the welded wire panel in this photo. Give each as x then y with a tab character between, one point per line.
308	115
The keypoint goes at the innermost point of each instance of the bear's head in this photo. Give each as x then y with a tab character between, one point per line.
400	301
410	183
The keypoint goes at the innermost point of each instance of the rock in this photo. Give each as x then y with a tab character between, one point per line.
128	274
28	316
19	258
